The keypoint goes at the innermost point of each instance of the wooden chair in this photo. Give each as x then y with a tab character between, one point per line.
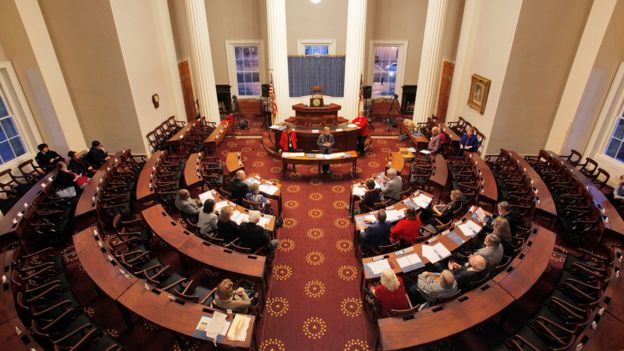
601	178
368	250
573	158
588	168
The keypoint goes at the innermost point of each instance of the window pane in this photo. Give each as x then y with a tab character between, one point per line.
9	127
18	146
620	154
619	130
238	52
6	152
317	49
3	136
256	88
3	109
240	78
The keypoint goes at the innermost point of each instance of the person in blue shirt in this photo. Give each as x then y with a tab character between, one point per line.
377	234
468	142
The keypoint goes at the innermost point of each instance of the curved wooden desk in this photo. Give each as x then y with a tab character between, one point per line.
214	139
439	177
314	159
130	293
345	137
175	139
185	242
233	162
144	189
489	189
192	173
86	203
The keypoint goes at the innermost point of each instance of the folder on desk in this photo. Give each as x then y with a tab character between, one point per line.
456	238
221	204
238	328
268	189
410	262
378	266
205	196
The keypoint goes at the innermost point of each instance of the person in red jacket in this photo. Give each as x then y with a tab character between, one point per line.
288	140
362	122
391	292
408	229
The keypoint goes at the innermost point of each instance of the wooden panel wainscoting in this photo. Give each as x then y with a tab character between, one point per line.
187	89
445	90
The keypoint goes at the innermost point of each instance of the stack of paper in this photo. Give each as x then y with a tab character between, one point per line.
469	228
411	149
238	329
410	262
252	180
239	217
480	214
441	250
358	190
339	129
276	127
351	125
205	196
394	215
422	200
268	189
429	253
293	154
221	204
370	219
424	151
378	266
264	222
456	238
217	325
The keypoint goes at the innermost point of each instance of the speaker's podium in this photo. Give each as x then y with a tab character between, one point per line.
316	114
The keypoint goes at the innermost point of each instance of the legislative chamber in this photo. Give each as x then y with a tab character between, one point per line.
349	175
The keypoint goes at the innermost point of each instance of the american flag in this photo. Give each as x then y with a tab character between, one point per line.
272	100
360	110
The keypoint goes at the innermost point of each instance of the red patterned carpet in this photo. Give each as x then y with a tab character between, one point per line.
314	296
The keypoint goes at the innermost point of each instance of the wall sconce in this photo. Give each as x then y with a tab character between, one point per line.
156	100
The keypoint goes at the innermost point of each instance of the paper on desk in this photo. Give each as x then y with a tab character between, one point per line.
252	180
264	222
205	196
276	127
293	154
213	326
456	238
378	266
422	200
426	152
370	219
239	217
339	129
411	149
410	262
351	125
441	250
394	215
221	204
480	214
268	189
358	190
430	253
238	329
469	228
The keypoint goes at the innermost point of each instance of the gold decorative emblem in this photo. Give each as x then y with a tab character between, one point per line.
286	245
314	289
347	272
356	345
315	233
342	222
340	204
282	272
277	306
272	345
315	213
316	102
315	258
290	222
315	196
314	328
351	307
344	245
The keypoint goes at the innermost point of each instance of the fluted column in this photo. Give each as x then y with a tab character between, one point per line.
354	61
428	74
201	59
278	56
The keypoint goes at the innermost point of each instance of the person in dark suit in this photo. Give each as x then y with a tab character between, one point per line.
79	166
473	271
226	227
444	213
238	187
325	142
253	236
468	142
378	233
47	158
371	196
96	156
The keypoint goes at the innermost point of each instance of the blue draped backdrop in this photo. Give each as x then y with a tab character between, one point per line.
306	71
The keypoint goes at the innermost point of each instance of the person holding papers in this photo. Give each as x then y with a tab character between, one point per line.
255	196
473	271
391	185
371	196
504	212
362	122
238	187
226	298
226	227
492	252
378	233
188	207
325	142
445	213
207	221
433	287
437	140
253	236
408	229
468	142
391	292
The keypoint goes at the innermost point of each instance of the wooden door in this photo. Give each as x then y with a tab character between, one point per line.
187	89
445	90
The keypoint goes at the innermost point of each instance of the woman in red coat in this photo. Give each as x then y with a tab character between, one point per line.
362	122
408	229
391	292
288	140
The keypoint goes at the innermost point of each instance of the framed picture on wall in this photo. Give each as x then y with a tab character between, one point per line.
479	90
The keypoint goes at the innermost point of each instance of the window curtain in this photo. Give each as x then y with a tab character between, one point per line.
306	71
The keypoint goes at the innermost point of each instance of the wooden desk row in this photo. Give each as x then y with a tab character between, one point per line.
344	135
611	219
217	135
131	295
184	132
145	191
489	189
317	159
85	208
474	307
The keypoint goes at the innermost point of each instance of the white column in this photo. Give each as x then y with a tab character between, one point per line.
278	56
430	59
37	32
201	59
354	61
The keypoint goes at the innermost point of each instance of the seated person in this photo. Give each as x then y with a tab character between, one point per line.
254	195
207	219
391	185
437	140
618	192
371	196
253	236
66	182
96	156
79	166
502	229
226	298
407	229
504	211
226	227
378	233
444	213
473	271
468	141
391	292
238	187
47	158
434	286
492	252
188	207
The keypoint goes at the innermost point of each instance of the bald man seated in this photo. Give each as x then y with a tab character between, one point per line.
391	185
238	187
473	271
187	206
434	287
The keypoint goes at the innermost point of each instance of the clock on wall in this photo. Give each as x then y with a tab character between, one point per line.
316	101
